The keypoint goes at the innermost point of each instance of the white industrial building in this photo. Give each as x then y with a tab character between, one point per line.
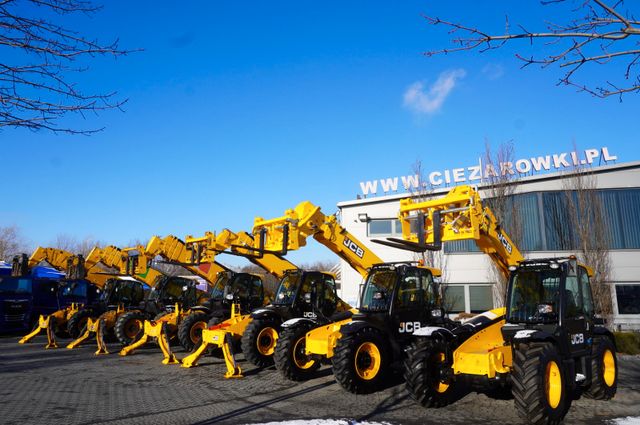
468	272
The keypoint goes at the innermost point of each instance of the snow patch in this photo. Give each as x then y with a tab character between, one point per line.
629	420
326	422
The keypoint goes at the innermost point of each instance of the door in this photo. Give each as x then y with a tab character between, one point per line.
578	315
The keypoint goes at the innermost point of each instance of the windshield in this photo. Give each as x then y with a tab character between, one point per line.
15	285
287	290
217	292
534	296
378	290
76	289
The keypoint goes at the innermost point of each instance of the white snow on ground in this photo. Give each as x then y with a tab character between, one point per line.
629	420
336	422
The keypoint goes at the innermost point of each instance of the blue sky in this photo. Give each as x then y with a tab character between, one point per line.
237	109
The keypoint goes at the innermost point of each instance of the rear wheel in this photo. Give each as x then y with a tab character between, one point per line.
361	361
77	323
129	327
604	367
190	330
426	372
538	384
259	341
290	357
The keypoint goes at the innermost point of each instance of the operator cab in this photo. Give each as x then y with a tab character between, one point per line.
171	290
307	294
405	293
552	296
122	291
246	288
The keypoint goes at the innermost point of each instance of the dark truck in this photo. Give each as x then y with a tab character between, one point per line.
43	291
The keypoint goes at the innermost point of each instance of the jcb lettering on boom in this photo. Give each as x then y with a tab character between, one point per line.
353	247
505	242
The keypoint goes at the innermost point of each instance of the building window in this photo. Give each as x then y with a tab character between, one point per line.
628	297
453	298
384	227
480	298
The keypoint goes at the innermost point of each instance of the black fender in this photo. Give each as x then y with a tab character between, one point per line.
264	313
602	331
355	325
299	321
533	335
200	308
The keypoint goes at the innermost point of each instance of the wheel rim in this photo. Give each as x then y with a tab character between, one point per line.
368	361
609	368
553	385
440	386
301	360
195	333
267	341
134	326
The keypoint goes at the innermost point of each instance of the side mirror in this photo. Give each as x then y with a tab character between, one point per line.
307	297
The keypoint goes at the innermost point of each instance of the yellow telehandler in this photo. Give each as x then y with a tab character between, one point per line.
547	344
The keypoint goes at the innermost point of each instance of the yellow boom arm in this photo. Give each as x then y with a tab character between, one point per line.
457	216
290	232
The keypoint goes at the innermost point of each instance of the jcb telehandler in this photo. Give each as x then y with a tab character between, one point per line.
305	342
299	294
78	290
548	348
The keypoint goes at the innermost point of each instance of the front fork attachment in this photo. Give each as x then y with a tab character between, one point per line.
47	323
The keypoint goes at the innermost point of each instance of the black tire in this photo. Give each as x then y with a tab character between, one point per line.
258	341
537	366
289	356
129	327
59	330
428	373
604	367
77	323
361	361
190	330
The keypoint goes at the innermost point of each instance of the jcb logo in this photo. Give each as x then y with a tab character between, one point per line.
577	339
409	327
505	242
309	314
353	247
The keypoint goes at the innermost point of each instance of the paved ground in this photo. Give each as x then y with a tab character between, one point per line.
75	387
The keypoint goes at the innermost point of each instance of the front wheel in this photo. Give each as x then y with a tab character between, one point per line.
259	341
538	384
361	361
129	327
427	373
604	369
77	323
290	357
190	330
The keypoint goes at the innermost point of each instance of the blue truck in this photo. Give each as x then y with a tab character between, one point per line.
43	291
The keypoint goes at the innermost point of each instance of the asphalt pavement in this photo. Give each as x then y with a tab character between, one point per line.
41	386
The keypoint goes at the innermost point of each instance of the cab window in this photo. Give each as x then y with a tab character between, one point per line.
410	291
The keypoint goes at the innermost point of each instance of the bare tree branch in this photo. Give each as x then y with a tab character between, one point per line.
601	35
38	59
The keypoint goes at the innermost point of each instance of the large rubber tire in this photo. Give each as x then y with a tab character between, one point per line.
290	358
259	341
129	327
425	373
190	330
77	323
538	384
604	367
361	361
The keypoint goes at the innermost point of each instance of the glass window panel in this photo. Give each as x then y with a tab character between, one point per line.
398	227
480	298
628	297
557	222
611	211
454	298
573	300
585	288
380	227
629	208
